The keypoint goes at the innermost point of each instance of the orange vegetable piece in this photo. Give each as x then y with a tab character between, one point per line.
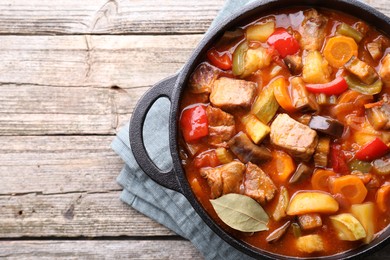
284	165
320	178
383	198
350	186
339	49
282	94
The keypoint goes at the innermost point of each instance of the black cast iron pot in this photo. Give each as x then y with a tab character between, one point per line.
173	87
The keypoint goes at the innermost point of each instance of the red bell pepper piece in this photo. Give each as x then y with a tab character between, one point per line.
194	123
335	87
220	60
372	150
338	159
206	159
284	43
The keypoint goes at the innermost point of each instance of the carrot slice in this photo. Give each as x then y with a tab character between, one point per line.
320	178
350	186
339	49
282	94
383	198
284	165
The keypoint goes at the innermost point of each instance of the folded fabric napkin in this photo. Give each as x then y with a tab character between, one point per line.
165	206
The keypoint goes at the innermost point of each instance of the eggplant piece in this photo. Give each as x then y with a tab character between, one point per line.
301	99
322	151
362	70
382	166
278	233
281	208
379	116
302	172
294	64
247	151
375	50
327	126
385	70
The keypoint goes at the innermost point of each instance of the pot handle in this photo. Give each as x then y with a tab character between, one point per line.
166	178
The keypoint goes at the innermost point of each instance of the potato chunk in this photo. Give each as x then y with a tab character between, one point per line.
312	202
310	244
315	68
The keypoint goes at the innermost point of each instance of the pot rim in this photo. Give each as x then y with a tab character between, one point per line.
351	7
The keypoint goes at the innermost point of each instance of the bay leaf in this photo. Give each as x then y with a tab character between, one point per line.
241	212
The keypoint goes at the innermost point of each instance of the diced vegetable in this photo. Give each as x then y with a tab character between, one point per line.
260	32
372	150
383	198
302	172
300	97
283	42
348	227
375	50
321	152
346	30
223	155
256	130
379	116
296	230
320	179
254	60
284	165
282	94
220	60
339	49
202	79
312	202
365	214
310	244
281	206
238	65
327	126
293	63
194	123
381	166
356	85
310	221
335	87
350	186
265	106
338	159
206	159
362	70
360	166
278	233
196	188
315	68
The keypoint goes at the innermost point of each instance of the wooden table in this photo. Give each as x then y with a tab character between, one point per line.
70	74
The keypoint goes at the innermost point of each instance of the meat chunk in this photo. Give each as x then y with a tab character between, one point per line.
224	179
247	151
230	93
385	70
258	185
297	139
221	126
312	30
202	78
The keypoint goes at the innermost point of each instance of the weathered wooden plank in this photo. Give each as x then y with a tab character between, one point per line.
57	164
101	249
73	215
38	110
99	61
106	16
114	16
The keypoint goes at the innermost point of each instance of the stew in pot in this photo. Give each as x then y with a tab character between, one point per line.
285	132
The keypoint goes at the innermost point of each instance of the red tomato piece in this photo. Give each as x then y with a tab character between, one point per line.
335	87
206	159
194	123
284	43
220	60
372	150
339	163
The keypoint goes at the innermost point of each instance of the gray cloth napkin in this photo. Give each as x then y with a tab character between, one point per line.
165	206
